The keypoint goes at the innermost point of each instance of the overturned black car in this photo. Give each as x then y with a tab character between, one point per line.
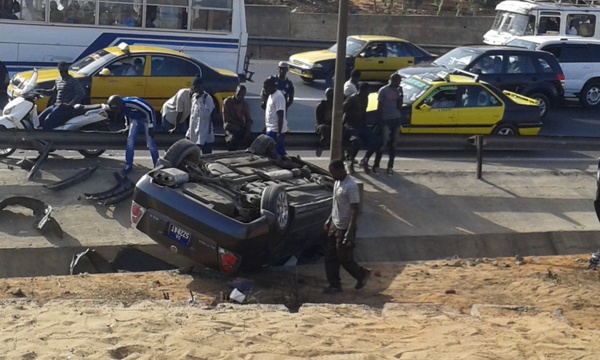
236	210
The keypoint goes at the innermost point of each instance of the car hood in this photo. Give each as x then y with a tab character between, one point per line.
311	57
421	70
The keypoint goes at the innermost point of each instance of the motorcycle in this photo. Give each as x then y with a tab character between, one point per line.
21	113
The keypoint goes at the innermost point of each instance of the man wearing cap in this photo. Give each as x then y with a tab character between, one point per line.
283	84
275	110
201	128
69	92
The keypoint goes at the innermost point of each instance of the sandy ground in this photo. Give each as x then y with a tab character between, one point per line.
426	310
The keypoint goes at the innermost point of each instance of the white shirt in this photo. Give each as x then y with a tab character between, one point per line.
180	103
275	102
345	193
349	88
201	129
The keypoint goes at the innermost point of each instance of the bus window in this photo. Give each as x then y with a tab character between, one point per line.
549	25
165	14
581	24
119	14
9	9
31	10
212	15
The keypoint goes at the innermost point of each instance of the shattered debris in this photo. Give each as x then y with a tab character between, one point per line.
41	211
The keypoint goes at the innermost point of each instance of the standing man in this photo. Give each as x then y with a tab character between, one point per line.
351	86
355	125
140	119
201	128
389	113
176	111
237	120
324	118
69	92
275	111
283	84
341	231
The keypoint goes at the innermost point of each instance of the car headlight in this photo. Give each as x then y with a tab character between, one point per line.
315	66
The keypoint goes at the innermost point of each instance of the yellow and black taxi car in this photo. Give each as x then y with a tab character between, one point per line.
377	57
460	104
152	73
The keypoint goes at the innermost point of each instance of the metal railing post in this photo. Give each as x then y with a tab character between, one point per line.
479	142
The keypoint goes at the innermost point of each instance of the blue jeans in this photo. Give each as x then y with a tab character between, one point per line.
139	127
55	116
280	148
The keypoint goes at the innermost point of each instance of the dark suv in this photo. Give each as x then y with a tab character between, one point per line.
533	73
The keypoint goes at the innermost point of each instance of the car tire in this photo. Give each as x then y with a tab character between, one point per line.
544	103
263	145
306	80
274	200
5	152
182	150
590	95
91	153
505	130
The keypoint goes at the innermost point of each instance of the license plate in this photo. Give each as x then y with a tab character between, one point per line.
178	234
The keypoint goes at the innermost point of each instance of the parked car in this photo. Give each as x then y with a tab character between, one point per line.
579	59
535	74
235	210
159	74
377	57
461	104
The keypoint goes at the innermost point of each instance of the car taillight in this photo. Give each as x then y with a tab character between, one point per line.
228	261
137	212
561	78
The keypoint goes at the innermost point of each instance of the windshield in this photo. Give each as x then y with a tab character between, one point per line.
413	89
353	46
93	62
458	58
513	23
523	44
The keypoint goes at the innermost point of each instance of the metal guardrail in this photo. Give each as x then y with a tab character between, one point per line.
321	44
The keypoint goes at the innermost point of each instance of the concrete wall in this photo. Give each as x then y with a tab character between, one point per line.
278	22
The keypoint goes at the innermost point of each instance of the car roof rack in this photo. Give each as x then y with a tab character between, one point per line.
568	2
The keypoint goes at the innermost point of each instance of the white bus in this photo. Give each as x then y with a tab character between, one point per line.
35	34
563	18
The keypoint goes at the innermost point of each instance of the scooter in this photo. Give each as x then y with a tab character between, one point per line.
21	113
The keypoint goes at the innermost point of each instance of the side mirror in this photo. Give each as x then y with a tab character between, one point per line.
104	72
425	107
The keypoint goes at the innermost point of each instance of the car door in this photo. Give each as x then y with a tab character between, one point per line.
122	77
168	74
490	67
478	110
520	72
371	62
398	57
435	113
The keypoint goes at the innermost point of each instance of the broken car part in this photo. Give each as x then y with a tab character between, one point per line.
121	191
41	211
73	180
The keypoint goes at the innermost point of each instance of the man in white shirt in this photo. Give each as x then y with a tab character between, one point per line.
176	111
201	129
275	120
351	86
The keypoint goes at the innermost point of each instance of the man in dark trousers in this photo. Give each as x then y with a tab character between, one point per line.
355	125
324	118
283	84
341	231
237	120
389	113
69	92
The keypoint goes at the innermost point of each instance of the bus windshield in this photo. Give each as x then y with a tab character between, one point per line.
89	64
353	46
513	23
413	89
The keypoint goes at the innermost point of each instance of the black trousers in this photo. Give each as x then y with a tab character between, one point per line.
338	254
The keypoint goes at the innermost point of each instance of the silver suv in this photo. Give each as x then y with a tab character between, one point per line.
579	59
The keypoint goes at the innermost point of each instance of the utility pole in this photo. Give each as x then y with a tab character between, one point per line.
338	87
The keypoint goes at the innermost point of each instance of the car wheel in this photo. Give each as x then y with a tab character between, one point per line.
306	80
263	145
274	200
544	103
182	150
91	153
6	152
505	130
590	95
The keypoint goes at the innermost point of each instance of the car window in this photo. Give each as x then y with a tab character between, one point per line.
374	50
444	97
542	66
172	66
127	66
594	51
414	51
575	53
488	64
395	49
520	64
471	96
413	89
555	49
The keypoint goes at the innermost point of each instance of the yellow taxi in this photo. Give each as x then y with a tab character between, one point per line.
152	73
461	104
377	57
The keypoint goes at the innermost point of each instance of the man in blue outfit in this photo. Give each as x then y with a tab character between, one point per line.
140	118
